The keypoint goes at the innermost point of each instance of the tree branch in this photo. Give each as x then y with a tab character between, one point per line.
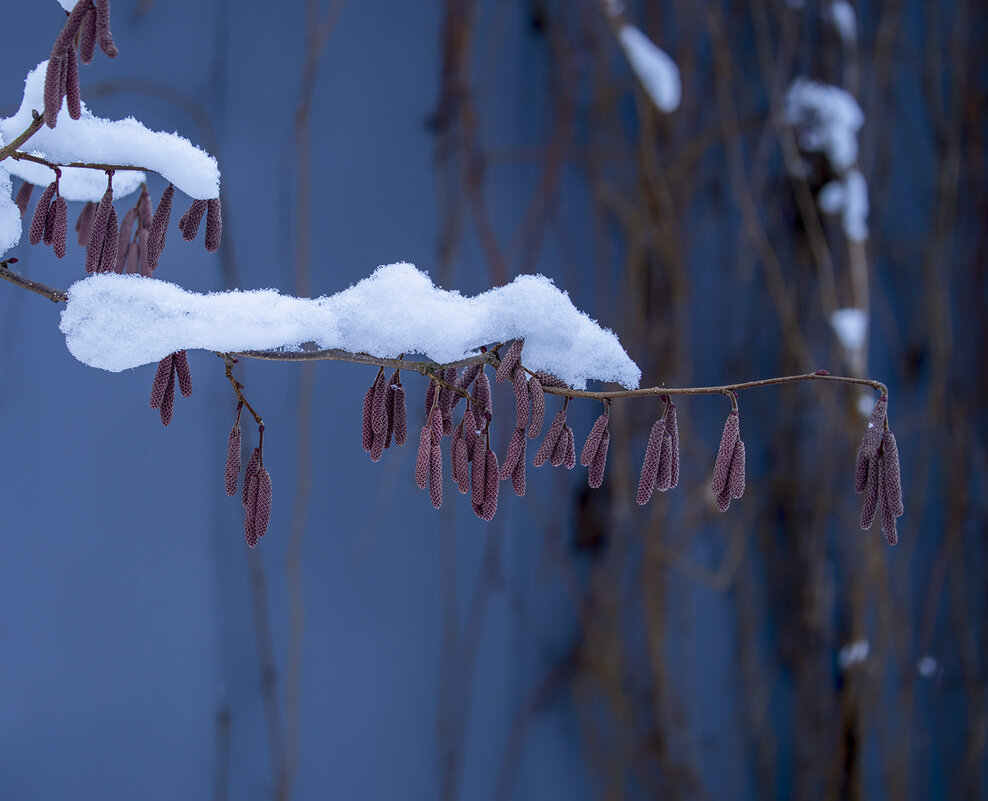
17	155
31	130
54	295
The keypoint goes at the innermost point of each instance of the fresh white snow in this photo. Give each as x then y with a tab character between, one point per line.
826	119
844	20
848	197
116	322
95	140
10	216
654	68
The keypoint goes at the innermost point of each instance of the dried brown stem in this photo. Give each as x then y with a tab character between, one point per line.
31	130
238	387
17	155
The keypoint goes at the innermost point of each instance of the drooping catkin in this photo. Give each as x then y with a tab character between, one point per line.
123	240
144	212
469	427
549	380
159	227
510	361
189	223
892	474
436	468
663	479
23	198
60	226
103	36
593	440
87	37
250	506
596	476
869	504
53	87
518	474
559	451
84	223
460	466
482	396
252	464
672	426
109	258
478	479
168	401
650	465
569	459
876	428
232	471
423	456
94	247
492	486
465	380
399	415
430	399
214	225
262	513
73	99
735	480
379	417
516	449
520	386
49	225
389	407
537	394
722	465
446	400
161	381
37	230
552	436
183	372
367	429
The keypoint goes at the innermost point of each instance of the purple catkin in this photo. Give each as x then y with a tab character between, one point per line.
593	441
430	399
87	37
252	464
262	514
49	225
168	401
232	472
37	230
735	481
73	21
559	451
189	224
379	417
672	426
446	400
132	259
183	372
214	225
469	427
94	247
103	35
436	424
73	99
596	475
53	85
84	223
537	394
724	499
885	505
389	408
552	437
436	474
549	380
367	430
870	503
250	489
24	197
650	466
109	258
159	227
161	381
722	466
422	458
518	474
491	486
144	212
478	479
399	415
516	450
461	465
482	396
454	465
569	460
876	428
124	238
893	477
465	379
663	478
522	415
510	361
861	465
60	225
141	254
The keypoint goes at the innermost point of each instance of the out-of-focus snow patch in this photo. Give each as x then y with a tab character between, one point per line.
851	327
10	215
849	198
614	7
854	653
866	403
115	322
94	140
826	119
927	667
657	72
841	15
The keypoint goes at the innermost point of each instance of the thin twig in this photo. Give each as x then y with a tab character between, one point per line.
17	155
54	295
31	130
237	386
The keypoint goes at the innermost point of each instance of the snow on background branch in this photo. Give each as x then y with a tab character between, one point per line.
116	322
